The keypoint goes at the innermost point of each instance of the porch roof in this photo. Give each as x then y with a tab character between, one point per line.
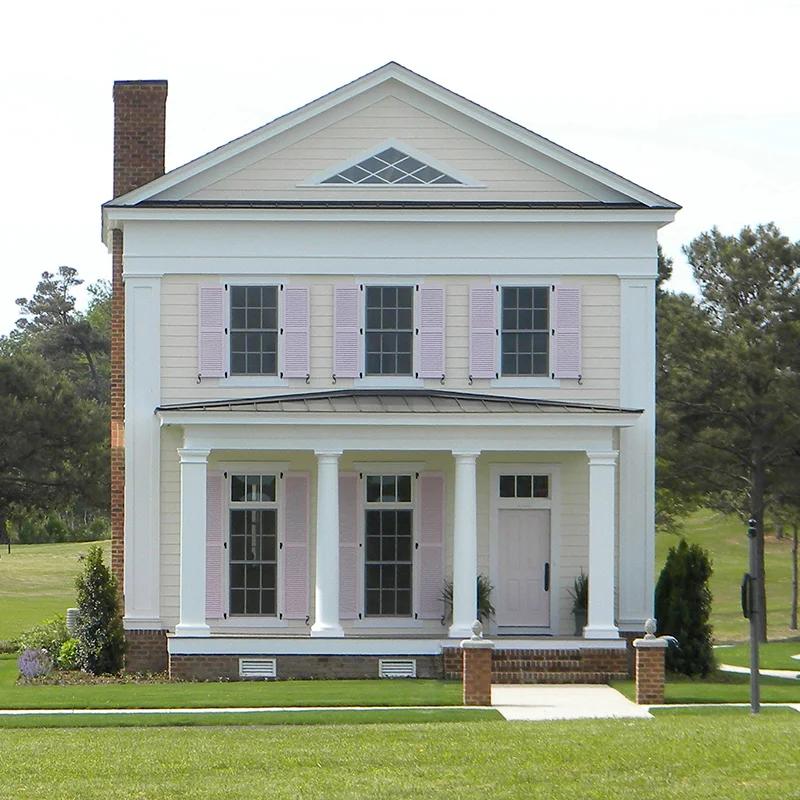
396	401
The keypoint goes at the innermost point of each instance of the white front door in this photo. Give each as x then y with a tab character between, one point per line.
523	598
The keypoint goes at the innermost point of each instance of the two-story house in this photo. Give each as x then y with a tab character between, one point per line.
382	345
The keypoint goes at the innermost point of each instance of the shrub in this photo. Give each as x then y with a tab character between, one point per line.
50	635
101	642
484	589
683	609
68	655
34	663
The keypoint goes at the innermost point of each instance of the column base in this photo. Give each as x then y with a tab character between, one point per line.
460	631
188	629
322	630
601	632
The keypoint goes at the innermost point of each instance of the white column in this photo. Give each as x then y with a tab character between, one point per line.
465	546
194	463
326	594
602	524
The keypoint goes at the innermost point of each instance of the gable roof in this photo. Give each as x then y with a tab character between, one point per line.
393	74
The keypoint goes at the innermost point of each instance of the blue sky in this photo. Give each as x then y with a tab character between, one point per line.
696	101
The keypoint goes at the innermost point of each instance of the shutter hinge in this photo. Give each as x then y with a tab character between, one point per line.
226	287
361	287
280	616
416	615
224	474
281	476
416	287
224	545
308	620
224	615
360	615
281	287
361	476
416	545
226	331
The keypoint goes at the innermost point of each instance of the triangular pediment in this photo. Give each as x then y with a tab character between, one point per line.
393	134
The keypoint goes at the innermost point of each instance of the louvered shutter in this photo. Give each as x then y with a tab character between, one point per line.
430	537
349	557
215	552
567	346
482	331
347	332
211	331
295	340
431	327
294	581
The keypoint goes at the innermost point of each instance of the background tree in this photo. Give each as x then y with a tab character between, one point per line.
729	375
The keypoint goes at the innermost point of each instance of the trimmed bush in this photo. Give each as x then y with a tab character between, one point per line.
50	635
101	641
68	655
683	609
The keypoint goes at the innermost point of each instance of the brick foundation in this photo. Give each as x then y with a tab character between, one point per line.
650	676
147	651
477	670
226	667
546	666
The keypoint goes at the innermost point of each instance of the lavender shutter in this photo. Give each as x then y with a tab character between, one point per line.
482	331
211	331
347	332
567	349
431	327
215	555
295	546
349	560
295	345
430	537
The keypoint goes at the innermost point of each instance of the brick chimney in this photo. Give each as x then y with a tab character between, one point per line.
139	132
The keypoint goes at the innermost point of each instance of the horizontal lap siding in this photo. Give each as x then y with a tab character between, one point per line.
277	175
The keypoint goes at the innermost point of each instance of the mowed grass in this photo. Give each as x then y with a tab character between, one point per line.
725	537
773	655
711	756
721	688
37	581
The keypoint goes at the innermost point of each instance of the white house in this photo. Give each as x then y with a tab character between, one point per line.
387	341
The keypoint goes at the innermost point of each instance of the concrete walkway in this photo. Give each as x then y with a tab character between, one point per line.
769	673
575	701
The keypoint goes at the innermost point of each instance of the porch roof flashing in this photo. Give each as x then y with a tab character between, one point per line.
424	405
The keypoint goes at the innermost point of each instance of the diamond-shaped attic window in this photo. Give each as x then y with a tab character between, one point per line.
392	167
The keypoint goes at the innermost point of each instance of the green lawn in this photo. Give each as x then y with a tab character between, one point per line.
726	539
37	581
773	655
710	756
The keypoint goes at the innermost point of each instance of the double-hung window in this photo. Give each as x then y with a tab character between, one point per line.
254	330
525	331
389	330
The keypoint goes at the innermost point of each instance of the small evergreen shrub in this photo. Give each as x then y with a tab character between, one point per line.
683	609
101	641
34	663
484	589
68	655
50	635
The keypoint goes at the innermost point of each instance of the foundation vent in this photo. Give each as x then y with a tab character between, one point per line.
397	668
257	668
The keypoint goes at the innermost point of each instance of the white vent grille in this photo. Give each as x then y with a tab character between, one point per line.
397	668
257	668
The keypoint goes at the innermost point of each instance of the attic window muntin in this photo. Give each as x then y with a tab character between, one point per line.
392	167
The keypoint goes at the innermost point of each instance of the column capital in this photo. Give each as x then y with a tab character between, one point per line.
193	455
466	455
322	454
602	458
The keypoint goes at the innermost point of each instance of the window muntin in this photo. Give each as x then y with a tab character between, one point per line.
525	331
524	486
391	167
253	546
389	330
388	569
254	330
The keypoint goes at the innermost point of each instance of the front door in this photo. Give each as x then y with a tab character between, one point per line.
523	597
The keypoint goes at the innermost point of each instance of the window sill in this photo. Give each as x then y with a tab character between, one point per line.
388	622
254	380
518	382
251	622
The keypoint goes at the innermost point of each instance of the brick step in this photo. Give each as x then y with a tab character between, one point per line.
537	665
557	677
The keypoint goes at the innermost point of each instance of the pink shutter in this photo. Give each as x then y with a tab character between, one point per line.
349	558
347	332
567	349
295	546
295	344
482	331
215	555
431	327
431	545
211	331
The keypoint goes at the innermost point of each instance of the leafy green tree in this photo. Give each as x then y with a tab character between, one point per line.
51	441
683	609
101	640
729	375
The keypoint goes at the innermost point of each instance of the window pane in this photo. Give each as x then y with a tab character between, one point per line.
237	488
388	488
373	488
507	486
524	487
541	486
404	489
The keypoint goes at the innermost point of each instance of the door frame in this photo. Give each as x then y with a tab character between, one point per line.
553	505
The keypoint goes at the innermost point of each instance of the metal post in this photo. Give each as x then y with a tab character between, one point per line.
755	612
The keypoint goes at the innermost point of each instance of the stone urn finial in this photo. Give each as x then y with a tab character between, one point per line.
650	629
477	630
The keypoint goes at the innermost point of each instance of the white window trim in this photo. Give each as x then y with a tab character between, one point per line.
317	180
254	468
524	381
553	504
